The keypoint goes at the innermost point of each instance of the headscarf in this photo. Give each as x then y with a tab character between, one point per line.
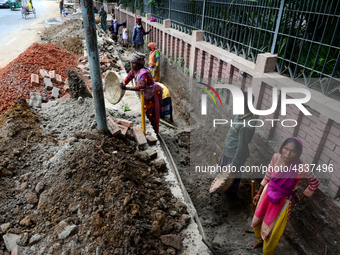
138	57
153	47
140	26
283	182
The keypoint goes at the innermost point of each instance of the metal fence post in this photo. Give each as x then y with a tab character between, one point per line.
203	13
93	57
278	22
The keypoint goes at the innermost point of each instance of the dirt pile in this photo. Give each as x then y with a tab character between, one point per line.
90	193
68	35
15	78
73	44
19	127
77	85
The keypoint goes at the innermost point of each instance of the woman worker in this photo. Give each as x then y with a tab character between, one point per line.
114	29
152	91
154	58
277	194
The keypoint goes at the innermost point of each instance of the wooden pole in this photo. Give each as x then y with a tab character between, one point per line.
142	109
252	195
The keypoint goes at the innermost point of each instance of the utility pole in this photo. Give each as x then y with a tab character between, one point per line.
93	57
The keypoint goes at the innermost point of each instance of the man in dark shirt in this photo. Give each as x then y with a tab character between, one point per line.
103	18
235	150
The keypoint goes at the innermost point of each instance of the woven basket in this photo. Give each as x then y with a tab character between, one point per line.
112	89
222	182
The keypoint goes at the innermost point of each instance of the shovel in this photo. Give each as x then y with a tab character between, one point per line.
248	227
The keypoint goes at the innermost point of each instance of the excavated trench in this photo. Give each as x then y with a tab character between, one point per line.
224	223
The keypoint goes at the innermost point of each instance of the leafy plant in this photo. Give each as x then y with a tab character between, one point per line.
187	70
126	109
180	62
196	75
171	60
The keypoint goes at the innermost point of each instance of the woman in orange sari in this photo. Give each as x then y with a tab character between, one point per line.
277	194
154	58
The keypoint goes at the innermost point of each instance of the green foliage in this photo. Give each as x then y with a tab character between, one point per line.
196	75
187	70
180	62
171	59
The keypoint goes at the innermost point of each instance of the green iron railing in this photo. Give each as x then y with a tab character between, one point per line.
305	34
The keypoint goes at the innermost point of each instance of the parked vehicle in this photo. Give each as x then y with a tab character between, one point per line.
4	3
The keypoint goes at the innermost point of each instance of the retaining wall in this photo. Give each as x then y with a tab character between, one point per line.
319	132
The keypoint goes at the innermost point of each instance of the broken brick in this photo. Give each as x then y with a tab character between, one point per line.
112	122
151	140
64	98
48	83
55	93
123	129
58	78
113	130
52	75
34	79
125	123
44	73
152	153
139	135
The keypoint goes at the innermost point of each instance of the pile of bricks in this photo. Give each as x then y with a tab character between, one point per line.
48	77
17	79
124	128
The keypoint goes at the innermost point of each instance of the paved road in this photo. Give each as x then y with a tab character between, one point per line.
16	33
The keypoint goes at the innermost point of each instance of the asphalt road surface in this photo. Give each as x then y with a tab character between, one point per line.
17	34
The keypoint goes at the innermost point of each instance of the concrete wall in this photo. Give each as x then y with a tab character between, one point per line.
319	132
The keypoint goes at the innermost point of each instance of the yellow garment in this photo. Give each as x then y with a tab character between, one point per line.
166	92
156	77
270	245
29	5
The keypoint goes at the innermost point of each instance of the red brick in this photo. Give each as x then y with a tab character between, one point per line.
58	78
125	123
318	133
113	127
139	135
34	79
44	73
123	130
151	140
52	75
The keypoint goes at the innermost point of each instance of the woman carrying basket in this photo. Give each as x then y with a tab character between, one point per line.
152	90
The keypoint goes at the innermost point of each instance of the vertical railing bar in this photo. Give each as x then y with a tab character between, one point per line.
303	43
203	12
278	22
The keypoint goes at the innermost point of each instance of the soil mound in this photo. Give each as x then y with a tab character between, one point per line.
77	85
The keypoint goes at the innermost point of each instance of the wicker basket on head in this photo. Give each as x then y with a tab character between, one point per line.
112	89
223	181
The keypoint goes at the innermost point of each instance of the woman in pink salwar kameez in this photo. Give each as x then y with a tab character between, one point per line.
277	194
